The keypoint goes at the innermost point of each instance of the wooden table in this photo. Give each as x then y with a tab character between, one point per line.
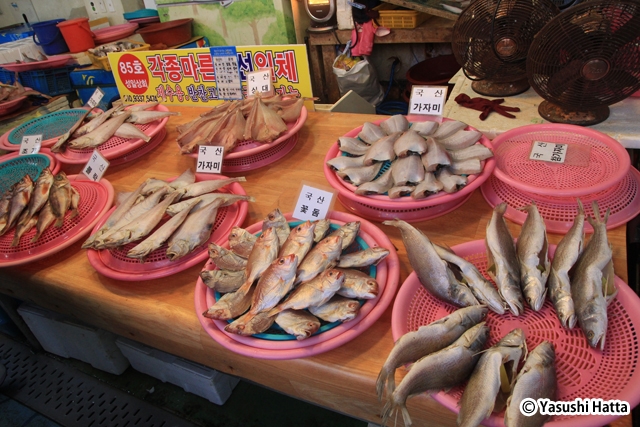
322	50
160	313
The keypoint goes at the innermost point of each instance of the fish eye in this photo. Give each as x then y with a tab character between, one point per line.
281	261
590	334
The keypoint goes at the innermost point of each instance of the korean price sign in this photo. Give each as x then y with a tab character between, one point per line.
428	100
548	152
259	82
95	99
225	64
30	144
210	159
313	204
96	166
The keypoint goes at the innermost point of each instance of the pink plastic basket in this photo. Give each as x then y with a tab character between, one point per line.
10	106
95	200
114	147
558	212
607	163
581	371
140	151
381	207
388	273
115	264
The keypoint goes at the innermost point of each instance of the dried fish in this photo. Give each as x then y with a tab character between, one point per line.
225	259
348	231
226	199
315	292
382	150
207	186
448	128
40	193
323	256
370	133
436	157
352	146
100	135
60	197
410	143
358	285
129	131
459	140
45	219
20	197
450	182
250	324
322	227
22	228
360	175
380	185
343	162
400	191
60	144
338	309
363	258
299	241
298	323
223	281
193	232
466	167
407	171
241	241
230	305
425	128
475	151
428	187
143	117
396	123
532	251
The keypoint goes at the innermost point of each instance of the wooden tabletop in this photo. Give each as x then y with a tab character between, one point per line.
160	313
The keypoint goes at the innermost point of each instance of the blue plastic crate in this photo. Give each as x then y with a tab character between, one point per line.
52	82
7	77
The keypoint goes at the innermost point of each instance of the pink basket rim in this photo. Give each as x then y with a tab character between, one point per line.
155	140
54	165
611	143
321	346
269	157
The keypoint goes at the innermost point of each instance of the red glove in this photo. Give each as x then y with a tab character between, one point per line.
486	106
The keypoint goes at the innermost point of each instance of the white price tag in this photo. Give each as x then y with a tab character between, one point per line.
548	151
313	203
210	159
428	100
260	81
96	166
30	144
95	99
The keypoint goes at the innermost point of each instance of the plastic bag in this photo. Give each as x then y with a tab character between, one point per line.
361	78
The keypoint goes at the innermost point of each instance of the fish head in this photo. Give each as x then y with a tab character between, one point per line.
476	336
215	251
535	292
545	352
268	234
287	263
177	250
371	288
307	329
594	322
471	315
305	229
332	243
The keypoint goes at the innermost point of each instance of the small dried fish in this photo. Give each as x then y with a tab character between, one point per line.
100	135
60	197
241	241
276	220
225	259
322	227
317	291
223	281
428	187
348	231
298	323
382	150
393	124
40	193
22	228
144	117
407	171
360	175
250	324
20	197
450	182
380	185
193	232
230	305
323	256
400	191
363	258
352	146
532	250
299	241
436	157
208	186
425	128
338	309
370	133
410	143
45	219
95	122
129	131
358	285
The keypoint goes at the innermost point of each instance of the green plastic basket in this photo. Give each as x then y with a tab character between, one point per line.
50	126
14	170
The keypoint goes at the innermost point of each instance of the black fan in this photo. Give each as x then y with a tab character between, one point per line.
586	59
491	39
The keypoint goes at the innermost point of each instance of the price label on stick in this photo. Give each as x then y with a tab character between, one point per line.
95	99
30	144
428	100
210	159
548	152
260	81
96	166
313	203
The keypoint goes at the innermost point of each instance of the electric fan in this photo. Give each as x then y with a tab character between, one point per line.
491	39
585	59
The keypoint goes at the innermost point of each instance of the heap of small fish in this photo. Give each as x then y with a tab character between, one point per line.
91	131
259	119
121	46
293	277
417	159
449	351
29	204
192	206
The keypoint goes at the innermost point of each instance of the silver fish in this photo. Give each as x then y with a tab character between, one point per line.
62	141
370	256
592	282
426	340
207	186
298	323
186	178
276	219
299	241
400	191
432	271
502	261
448	128
45	219
343	162
323	256
144	117
241	241
20	197
475	151
436	157
100	135
380	185
407	171
532	250
483	290
360	175
230	305
536	380
130	131
317	291
358	285
348	232
40	193
450	182
193	232
381	150
60	197
322	227
479	396
370	133
428	187
338	309
425	128
223	281
410	143
440	370
225	259
353	146
566	255
393	124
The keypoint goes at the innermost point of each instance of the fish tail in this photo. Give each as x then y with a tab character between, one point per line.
380	382
16	240
388	410
501	208
391	383
36	237
74	213
405	416
59	222
580	207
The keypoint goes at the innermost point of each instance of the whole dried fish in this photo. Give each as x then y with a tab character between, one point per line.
193	232
5	204
323	256
250	324
45	219
130	131
230	305
60	197
299	241
370	133
466	167
226	199
280	224
314	292
94	123
338	309
428	187
363	258
100	135
352	146
241	241
322	227
358	285
382	150
298	323
348	232
502	261
532	251
186	178
144	117
343	162
40	193
410	143
207	186
426	340
396	123
62	141
407	171
380	185
360	175
20	197
223	281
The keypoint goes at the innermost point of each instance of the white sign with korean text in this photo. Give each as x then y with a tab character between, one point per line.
225	64
95	99
548	151
209	159
313	204
260	81
30	144
96	166
428	100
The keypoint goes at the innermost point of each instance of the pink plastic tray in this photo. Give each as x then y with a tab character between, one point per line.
114	147
114	32
95	200
51	62
607	164
559	212
387	275
581	371
380	207
11	106
114	263
54	165
142	150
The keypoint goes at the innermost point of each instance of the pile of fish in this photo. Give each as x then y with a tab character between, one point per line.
121	46
259	119
293	277
27	204
91	131
419	159
12	92
192	206
450	351
580	282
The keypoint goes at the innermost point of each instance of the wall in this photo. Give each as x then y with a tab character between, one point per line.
119	7
40	10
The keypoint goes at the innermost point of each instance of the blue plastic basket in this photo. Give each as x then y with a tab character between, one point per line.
14	170
52	82
7	77
50	126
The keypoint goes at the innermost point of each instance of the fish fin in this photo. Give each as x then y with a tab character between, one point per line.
580	207
380	382
59	222
405	416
